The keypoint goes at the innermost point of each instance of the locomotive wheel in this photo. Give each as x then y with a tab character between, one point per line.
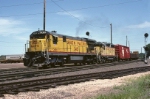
80	64
98	62
61	64
53	65
88	63
75	64
44	67
84	63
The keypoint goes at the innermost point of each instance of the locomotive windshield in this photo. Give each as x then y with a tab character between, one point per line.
37	36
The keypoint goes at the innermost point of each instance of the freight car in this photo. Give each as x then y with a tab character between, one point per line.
11	58
49	48
123	52
134	55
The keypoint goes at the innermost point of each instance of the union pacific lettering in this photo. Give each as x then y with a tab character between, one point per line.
76	49
76	43
69	42
34	45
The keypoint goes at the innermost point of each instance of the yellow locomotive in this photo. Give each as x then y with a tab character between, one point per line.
49	48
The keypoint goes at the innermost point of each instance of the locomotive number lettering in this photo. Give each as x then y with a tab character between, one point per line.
79	43
34	42
34	45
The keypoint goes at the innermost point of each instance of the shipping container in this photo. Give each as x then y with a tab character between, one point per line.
123	52
11	58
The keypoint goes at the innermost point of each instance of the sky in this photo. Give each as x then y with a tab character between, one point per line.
19	18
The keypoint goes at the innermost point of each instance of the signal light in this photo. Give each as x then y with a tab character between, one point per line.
87	33
146	35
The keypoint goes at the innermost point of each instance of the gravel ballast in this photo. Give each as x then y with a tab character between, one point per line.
77	91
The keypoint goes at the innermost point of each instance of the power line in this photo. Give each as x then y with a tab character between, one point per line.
108	5
69	10
73	15
25	4
10	42
10	46
20	5
23	15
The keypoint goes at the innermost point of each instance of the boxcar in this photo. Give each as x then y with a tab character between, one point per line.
134	55
123	52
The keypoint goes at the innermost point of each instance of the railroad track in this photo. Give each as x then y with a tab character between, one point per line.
14	87
25	73
14	70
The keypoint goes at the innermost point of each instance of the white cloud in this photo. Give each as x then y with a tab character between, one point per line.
21	38
11	27
140	26
71	14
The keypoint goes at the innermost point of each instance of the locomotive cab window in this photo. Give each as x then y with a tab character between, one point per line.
103	47
55	39
64	38
47	36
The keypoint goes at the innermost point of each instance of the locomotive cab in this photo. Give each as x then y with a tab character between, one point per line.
37	41
38	47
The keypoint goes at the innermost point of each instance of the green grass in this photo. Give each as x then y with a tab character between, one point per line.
134	89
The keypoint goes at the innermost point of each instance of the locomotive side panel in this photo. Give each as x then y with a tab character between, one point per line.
107	51
68	45
53	49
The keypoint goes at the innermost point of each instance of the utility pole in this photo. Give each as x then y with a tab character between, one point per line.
126	41
141	49
111	34
128	44
44	15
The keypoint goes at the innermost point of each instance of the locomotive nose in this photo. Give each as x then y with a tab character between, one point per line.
37	45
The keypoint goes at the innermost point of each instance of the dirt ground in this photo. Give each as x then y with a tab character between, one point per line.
11	65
